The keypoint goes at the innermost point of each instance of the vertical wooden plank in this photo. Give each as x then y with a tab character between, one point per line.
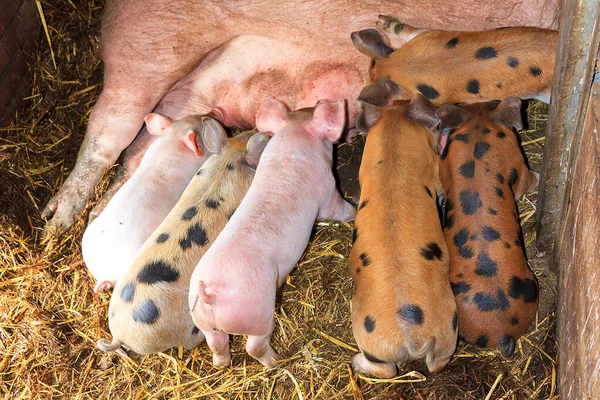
578	46
578	253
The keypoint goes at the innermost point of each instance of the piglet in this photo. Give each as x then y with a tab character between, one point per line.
233	286
483	172
149	310
403	308
111	240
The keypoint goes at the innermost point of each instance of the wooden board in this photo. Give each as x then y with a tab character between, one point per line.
578	254
19	33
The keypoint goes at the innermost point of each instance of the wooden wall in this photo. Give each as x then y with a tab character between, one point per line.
19	33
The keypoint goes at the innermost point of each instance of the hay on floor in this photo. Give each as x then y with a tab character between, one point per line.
50	318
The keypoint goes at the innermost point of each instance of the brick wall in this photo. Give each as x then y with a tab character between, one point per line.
19	32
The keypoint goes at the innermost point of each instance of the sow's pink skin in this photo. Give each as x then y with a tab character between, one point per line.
110	242
233	287
225	55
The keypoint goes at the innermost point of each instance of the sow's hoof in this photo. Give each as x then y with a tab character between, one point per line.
348	158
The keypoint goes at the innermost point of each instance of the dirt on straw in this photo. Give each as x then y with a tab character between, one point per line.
50	318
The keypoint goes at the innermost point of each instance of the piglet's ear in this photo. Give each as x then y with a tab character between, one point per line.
371	43
380	93
368	116
329	120
189	140
271	116
423	113
508	113
214	136
450	117
254	148
157	124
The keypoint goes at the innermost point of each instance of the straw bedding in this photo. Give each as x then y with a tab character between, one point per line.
50	318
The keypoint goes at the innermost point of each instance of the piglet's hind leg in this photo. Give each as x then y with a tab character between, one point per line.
383	370
260	348
338	210
218	342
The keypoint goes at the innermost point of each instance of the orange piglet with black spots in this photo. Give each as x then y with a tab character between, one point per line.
456	66
483	171
403	308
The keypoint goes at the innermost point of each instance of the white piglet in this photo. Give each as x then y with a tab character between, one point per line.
232	289
110	241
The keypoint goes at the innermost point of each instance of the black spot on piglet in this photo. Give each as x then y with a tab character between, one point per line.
460	287
157	271
190	213
462	137
535	71
412	314
428	91
452	43
432	251
195	235
469	202
526	288
127	292
366	261
467	170
486	266
369	324
485	53
482	341
163	237
480	149
146	313
490	234
212	204
489	302
473	86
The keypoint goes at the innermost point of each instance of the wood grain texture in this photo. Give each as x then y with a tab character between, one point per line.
578	254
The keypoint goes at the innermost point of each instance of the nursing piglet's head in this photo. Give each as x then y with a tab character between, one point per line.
325	121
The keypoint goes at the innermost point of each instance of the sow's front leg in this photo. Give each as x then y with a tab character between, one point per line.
131	160
139	68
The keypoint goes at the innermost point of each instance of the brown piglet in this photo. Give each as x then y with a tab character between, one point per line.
483	171
455	66
403	308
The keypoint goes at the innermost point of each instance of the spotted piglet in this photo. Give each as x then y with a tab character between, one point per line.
455	66
483	172
403	308
233	287
110	242
149	312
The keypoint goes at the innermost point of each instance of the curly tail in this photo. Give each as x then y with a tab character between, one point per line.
107	346
202	295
